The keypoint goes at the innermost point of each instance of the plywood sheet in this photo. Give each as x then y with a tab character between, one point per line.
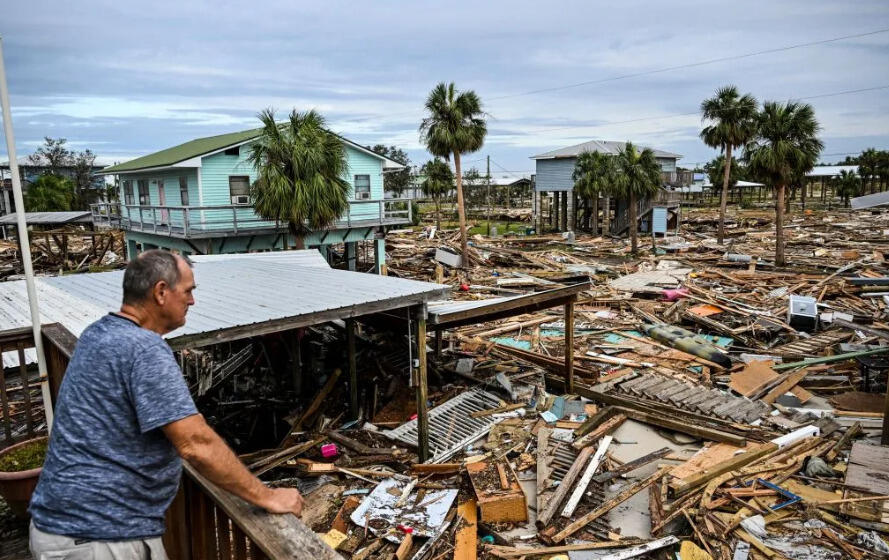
753	378
868	468
716	453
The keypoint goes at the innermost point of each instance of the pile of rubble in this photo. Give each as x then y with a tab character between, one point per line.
722	407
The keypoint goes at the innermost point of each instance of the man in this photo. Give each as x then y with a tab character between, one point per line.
124	417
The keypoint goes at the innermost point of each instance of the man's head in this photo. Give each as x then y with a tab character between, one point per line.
159	285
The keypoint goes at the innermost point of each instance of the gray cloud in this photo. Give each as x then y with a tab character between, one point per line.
130	78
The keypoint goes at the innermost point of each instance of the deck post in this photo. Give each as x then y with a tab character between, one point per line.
380	256
569	346
353	368
422	387
351	254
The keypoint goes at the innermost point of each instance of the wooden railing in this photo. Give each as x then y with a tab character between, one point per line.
21	399
204	522
192	222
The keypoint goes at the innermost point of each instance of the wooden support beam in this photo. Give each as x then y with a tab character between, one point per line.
422	388
569	346
319	398
586	478
681	486
353	368
632	465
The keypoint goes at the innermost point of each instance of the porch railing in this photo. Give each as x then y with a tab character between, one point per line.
210	221
21	400
204	522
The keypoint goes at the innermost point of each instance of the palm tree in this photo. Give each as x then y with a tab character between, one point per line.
50	193
636	175
301	166
733	119
439	182
592	177
868	163
847	185
454	126
786	146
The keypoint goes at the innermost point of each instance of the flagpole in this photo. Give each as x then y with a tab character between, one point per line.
25	244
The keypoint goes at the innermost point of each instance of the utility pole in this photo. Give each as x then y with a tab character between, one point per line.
489	194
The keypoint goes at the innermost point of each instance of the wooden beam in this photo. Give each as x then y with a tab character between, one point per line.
632	465
319	398
545	516
466	541
353	368
569	346
681	486
620	498
587	477
422	388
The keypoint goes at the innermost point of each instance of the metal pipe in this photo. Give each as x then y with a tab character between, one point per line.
23	239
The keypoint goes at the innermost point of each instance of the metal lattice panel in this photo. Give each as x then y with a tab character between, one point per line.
451	425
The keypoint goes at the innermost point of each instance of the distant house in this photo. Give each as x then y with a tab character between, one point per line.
30	172
193	198
556	206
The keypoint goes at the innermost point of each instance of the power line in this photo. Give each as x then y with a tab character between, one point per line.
658	70
642	119
692	64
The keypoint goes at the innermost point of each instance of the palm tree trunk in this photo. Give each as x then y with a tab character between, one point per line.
438	212
606	216
634	234
299	242
804	187
594	208
461	211
720	232
779	225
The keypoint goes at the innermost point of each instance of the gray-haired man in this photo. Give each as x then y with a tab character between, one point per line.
123	419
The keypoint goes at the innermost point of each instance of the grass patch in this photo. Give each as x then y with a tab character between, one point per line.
24	458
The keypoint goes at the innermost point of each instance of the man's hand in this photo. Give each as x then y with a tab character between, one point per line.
284	500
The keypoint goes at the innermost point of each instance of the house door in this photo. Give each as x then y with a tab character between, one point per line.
162	199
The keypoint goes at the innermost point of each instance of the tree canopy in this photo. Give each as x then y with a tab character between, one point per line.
395	181
637	175
49	193
301	166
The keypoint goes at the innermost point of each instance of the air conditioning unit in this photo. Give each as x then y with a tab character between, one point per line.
363	195
241	199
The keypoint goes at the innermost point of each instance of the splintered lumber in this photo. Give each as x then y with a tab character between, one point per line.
587	477
542	468
621	497
632	465
681	486
787	383
519	552
608	426
498	410
466	541
358	446
594	421
753	379
438	468
546	516
641	549
404	548
266	464
319	398
499	495
853	431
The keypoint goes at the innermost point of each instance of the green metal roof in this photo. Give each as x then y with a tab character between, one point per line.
201	146
185	151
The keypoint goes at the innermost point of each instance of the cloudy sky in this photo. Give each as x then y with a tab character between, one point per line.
129	78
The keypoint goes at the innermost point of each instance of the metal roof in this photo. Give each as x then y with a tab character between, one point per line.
601	146
235	298
301	257
47	218
831	170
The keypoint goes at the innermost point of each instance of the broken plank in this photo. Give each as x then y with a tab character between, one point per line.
608	426
680	487
466	541
546	516
571	505
632	465
621	497
786	384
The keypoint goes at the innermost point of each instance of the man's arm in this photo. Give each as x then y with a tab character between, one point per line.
202	447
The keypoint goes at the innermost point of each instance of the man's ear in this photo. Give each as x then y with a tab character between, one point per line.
160	292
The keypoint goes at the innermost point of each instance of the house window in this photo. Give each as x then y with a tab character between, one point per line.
144	198
128	192
183	190
239	189
362	187
233	151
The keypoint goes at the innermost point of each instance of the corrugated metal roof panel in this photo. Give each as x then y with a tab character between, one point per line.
230	293
601	146
39	218
304	257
